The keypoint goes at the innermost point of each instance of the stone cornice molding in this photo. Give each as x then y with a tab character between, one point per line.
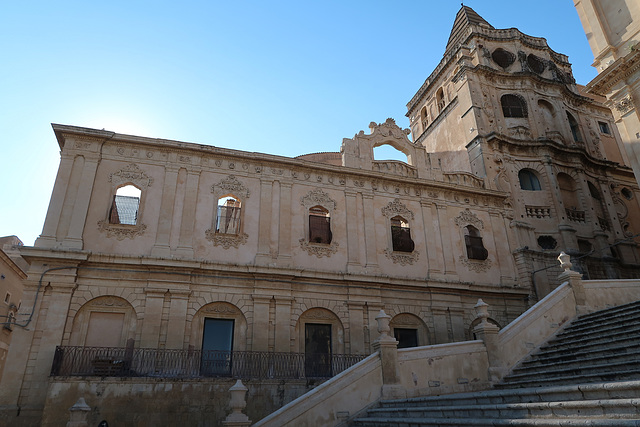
620	70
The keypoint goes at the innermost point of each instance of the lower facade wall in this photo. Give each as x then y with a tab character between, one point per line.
155	402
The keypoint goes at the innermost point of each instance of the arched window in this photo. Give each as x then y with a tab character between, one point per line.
440	100
424	118
401	235
228	219
528	180
125	205
473	242
568	191
513	106
575	128
548	114
319	225
598	206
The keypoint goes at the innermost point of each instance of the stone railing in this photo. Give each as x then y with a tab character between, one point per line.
538	211
575	215
395	167
463	178
456	367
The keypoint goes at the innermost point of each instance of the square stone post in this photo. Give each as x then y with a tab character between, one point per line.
575	282
388	350
488	333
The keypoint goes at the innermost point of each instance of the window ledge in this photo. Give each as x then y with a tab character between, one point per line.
402	258
226	240
319	249
121	231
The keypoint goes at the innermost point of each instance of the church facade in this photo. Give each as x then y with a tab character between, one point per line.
175	246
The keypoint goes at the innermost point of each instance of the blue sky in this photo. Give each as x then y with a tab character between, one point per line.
280	77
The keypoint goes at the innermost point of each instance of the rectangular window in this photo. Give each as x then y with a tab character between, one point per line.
604	128
217	344
228	221
317	349
475	248
7	298
319	228
406	337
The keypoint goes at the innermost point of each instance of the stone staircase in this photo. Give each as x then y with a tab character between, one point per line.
587	375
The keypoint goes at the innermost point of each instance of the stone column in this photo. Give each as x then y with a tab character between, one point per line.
388	350
263	256
81	203
370	232
261	329
185	241
150	333
284	242
356	327
165	219
354	263
177	318
48	237
488	333
283	323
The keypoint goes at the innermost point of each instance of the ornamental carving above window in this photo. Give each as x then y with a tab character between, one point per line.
397	208
231	185
318	197
131	174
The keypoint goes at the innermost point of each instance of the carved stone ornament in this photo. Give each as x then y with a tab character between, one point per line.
231	185
475	265
624	105
520	132
397	208
226	240
405	319
131	174
108	301
221	308
402	258
467	217
318	314
318	249
121	231
318	197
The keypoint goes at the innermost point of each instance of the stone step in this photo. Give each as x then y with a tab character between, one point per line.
597	360
588	353
540	381
618	408
585	329
635	305
465	422
597	391
631	334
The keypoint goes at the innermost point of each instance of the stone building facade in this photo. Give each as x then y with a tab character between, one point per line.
613	31
160	244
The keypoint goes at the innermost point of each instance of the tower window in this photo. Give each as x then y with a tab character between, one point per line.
473	242
401	235
228	219
528	180
319	225
125	205
513	106
604	128
575	128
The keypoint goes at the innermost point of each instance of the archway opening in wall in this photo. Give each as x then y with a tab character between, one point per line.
317	350
388	152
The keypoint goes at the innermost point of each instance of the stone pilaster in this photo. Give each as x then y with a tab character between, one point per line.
261	329
177	317
161	247
283	323
185	241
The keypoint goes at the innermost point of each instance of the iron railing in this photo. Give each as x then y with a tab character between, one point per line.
164	363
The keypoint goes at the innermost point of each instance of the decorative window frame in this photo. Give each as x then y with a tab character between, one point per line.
391	210
465	218
131	174
102	304
228	187
313	198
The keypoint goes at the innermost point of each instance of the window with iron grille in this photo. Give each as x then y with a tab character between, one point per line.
319	225
473	242
513	106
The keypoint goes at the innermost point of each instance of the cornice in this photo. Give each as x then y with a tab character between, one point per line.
621	69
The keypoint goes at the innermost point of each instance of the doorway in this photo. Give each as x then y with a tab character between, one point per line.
217	346
317	349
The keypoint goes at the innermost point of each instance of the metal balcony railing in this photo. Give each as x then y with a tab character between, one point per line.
165	363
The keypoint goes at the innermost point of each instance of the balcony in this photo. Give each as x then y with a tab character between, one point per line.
166	363
575	215
538	211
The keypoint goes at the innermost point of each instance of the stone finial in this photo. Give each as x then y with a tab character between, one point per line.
482	310
78	414
237	403
383	320
565	262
